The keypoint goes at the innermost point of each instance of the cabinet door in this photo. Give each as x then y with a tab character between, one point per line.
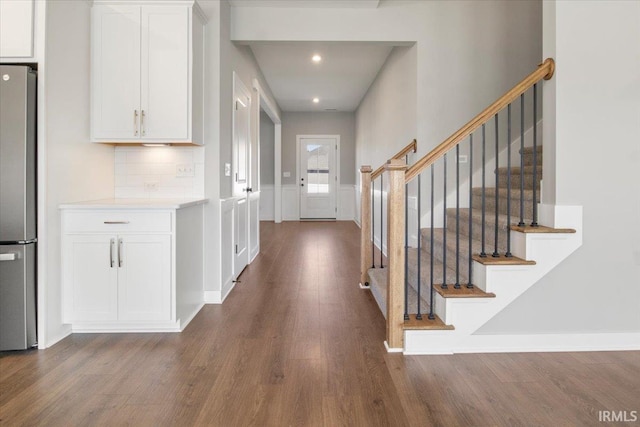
90	278
115	73
16	28
165	99
144	277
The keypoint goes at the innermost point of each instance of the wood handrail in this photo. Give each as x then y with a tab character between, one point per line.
544	71
412	146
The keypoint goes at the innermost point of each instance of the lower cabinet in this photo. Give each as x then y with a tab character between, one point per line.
124	277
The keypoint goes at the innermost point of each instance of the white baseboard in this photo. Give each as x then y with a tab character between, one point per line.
189	318
390	349
533	343
212	297
64	332
227	288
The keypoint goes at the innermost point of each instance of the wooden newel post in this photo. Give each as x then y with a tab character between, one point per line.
366	259
395	252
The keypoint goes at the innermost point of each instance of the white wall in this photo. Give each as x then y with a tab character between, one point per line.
596	96
76	169
341	123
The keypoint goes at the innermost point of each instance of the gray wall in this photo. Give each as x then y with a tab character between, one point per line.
597	166
266	149
343	124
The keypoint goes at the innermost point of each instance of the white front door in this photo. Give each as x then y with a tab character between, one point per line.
241	171
318	178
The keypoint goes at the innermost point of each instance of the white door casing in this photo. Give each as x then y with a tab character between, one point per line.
317	175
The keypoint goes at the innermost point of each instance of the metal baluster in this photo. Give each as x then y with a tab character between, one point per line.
381	221
508	254
483	254
406	247
534	223
495	253
469	284
419	314
457	284
444	229
373	226
521	223
431	289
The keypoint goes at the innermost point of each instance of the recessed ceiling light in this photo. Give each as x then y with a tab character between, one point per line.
316	58
316	100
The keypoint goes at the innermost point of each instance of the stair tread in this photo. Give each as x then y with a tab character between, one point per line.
502	193
476	245
541	229
425	268
476	215
501	260
529	149
528	170
463	292
425	323
378	280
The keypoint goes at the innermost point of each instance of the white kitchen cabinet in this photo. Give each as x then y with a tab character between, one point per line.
144	278
16	28
91	278
147	73
122	271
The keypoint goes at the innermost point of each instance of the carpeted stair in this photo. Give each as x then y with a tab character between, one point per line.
460	251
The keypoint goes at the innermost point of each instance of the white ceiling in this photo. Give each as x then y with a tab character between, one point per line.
340	80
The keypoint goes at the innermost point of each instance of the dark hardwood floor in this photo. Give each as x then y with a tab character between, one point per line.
297	343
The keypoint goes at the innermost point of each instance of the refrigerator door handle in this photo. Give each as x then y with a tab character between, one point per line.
111	245
7	257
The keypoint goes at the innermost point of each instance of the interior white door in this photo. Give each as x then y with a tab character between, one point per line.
317	172
241	172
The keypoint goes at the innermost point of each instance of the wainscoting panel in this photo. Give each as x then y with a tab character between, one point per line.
227	245
347	203
267	208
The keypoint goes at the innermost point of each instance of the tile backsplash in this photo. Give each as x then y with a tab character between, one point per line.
151	172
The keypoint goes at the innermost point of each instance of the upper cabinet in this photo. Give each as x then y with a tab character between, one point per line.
16	29
147	73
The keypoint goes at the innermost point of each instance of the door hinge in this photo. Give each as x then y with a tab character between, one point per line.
236	249
236	105
336	210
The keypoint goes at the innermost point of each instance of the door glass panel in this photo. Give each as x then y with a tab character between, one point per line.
317	169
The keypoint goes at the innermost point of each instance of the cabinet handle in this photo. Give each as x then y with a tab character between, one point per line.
116	222
7	257
135	122
142	116
111	244
120	256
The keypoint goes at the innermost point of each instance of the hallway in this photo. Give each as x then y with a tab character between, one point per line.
297	343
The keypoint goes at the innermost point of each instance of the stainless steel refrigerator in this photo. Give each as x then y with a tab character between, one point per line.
18	237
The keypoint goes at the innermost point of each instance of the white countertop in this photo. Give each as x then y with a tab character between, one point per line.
134	204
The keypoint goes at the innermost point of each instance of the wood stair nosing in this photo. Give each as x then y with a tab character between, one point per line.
542	229
425	323
462	292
